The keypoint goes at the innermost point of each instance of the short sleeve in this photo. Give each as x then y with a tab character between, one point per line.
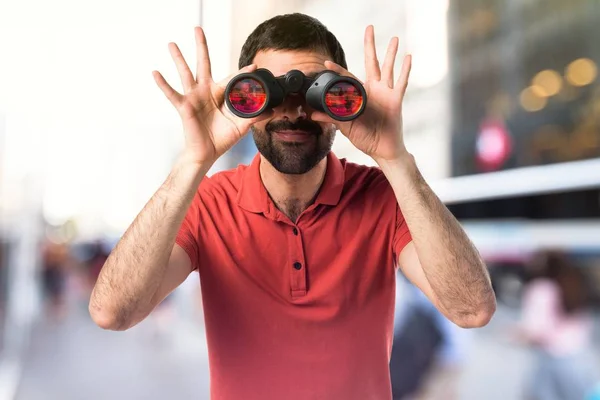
188	235
401	233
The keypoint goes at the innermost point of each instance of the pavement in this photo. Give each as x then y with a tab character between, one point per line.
75	360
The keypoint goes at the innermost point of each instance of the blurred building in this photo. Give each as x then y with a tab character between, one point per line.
80	149
20	236
3	245
525	142
530	69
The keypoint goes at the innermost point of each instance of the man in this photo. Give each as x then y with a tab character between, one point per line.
297	251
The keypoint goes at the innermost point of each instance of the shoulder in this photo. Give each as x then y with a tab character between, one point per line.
222	185
363	179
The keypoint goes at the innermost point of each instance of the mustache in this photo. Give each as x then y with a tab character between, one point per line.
301	125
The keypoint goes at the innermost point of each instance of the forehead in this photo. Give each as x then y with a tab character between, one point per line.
279	62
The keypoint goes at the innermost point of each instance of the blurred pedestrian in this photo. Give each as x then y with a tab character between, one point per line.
54	277
557	323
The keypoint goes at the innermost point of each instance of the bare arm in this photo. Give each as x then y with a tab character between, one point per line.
145	266
441	260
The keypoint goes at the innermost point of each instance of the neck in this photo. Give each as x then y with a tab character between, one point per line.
292	194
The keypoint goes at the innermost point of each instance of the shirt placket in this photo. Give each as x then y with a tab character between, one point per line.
297	263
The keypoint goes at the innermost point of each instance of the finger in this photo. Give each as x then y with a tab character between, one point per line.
330	65
249	68
187	79
387	72
402	83
203	70
171	94
371	61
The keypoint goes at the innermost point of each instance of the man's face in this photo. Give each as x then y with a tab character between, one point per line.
291	141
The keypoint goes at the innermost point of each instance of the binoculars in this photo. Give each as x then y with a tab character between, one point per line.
249	94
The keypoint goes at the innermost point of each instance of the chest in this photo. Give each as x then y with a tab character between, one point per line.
326	258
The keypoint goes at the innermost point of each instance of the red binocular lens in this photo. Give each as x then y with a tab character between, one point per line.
247	96
342	98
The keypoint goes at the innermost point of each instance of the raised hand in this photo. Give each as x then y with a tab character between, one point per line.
210	128
378	132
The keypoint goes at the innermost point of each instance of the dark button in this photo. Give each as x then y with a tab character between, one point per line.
297	265
295	231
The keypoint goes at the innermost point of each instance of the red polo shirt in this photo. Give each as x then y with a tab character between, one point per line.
297	310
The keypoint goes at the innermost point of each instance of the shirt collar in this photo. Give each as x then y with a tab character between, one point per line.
253	196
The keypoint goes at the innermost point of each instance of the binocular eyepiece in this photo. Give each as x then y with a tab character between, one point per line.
249	94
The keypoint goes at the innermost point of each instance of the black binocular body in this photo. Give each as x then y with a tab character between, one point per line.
249	94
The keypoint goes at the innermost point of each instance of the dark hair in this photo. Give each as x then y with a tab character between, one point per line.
555	265
292	32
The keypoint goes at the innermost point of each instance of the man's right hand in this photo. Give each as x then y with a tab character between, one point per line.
210	128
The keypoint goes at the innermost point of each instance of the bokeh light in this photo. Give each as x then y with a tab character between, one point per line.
582	72
531	101
547	83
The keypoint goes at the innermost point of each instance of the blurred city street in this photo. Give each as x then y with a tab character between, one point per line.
75	359
501	114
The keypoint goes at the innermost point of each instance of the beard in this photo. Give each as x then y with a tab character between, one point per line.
289	157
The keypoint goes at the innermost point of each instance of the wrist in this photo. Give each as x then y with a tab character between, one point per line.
404	177
402	172
404	164
190	165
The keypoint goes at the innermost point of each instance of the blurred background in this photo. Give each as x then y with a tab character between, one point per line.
502	114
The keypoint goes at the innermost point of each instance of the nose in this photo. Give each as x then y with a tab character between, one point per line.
294	107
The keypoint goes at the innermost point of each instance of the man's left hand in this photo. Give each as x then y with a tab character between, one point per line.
378	131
